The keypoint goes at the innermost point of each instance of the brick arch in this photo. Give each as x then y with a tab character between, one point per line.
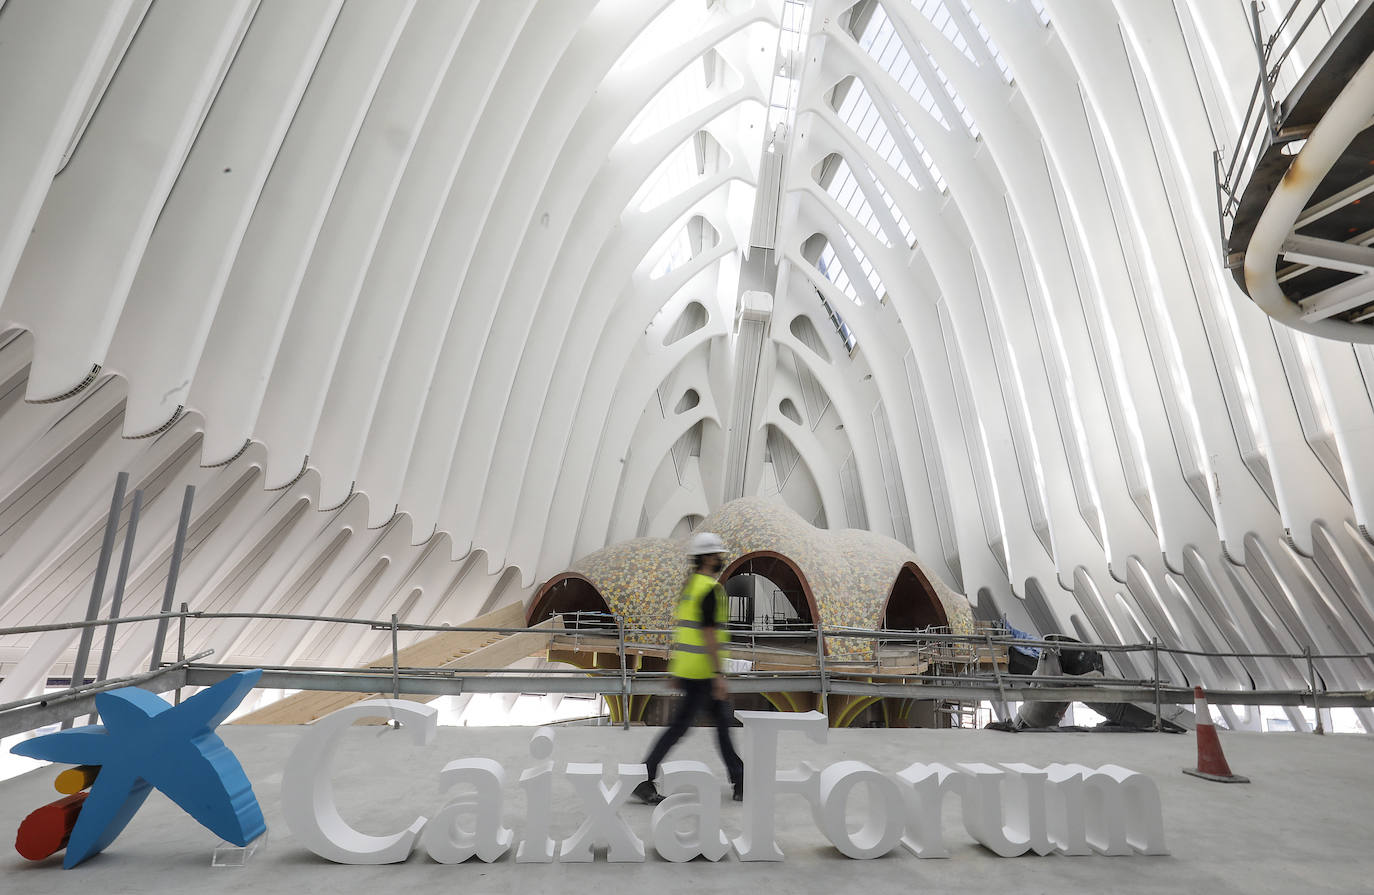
780	570
912	603
565	592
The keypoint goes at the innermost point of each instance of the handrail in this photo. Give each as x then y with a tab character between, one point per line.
1302	29
886	636
1260	110
100	686
944	673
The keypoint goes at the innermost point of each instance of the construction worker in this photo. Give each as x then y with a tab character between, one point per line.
697	662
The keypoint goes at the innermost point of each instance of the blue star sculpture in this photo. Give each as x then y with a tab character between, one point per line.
145	743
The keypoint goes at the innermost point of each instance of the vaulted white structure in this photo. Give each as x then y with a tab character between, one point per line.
428	298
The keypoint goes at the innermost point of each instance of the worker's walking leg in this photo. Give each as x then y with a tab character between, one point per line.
722	714
694	694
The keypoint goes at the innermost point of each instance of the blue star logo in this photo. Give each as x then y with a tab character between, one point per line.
146	743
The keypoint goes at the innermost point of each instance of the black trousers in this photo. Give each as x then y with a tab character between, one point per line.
696	696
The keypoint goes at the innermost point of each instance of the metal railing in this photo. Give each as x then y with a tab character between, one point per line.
932	676
1261	112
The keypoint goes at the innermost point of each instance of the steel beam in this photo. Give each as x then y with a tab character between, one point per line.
1318	210
66	708
1024	690
1338	299
1328	253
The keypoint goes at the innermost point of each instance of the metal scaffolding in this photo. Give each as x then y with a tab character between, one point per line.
959	667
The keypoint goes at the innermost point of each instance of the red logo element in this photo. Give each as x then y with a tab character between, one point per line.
46	831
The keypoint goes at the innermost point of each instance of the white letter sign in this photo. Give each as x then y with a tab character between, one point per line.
307	793
446	840
882	829
762	782
685	826
1011	809
604	823
536	847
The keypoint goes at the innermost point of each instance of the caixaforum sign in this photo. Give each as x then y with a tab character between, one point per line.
1011	809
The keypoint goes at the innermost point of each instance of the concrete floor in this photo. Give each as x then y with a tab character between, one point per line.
1306	823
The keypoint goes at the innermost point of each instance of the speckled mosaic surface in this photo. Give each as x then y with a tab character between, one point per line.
850	572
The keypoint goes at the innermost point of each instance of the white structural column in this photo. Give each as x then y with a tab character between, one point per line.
104	207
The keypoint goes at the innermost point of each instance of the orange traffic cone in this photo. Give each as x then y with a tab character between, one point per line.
1211	762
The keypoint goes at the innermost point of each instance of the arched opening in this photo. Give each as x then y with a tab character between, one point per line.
685	526
574	597
913	604
768	592
692	318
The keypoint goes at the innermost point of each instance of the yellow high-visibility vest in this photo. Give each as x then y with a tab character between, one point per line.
689	658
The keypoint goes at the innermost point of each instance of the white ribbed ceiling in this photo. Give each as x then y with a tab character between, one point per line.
429	297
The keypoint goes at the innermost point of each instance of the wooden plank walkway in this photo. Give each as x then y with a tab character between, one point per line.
456	650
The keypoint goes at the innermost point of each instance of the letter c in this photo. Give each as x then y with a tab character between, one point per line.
307	790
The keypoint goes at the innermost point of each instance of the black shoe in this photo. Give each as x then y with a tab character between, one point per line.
738	795
647	793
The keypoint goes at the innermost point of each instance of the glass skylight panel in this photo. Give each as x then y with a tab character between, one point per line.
680	97
873	30
866	122
954	96
881	42
988	42
831	268
921	148
664	32
857	111
845	189
1039	7
870	273
679	252
671	178
939	16
907	236
834	271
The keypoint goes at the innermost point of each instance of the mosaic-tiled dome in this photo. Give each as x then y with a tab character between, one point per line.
849	574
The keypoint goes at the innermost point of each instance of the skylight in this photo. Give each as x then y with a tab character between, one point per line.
988	42
834	270
940	17
844	186
681	17
870	273
958	103
694	237
671	178
831	268
858	111
684	94
921	148
881	42
841	328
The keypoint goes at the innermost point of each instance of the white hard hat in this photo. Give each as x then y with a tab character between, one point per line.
704	543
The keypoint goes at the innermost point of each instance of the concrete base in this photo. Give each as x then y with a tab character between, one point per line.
1302	825
1217	778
